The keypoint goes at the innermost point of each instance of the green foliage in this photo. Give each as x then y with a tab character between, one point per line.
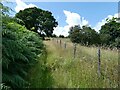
84	35
90	36
37	19
20	50
74	34
110	33
54	35
4	9
61	36
108	37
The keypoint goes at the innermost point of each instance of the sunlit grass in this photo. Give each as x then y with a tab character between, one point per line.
81	71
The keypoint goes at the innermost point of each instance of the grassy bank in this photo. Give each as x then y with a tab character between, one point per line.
39	76
64	71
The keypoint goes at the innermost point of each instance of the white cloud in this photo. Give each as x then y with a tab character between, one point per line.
71	20
61	30
58	30
75	19
84	22
117	15
21	5
99	24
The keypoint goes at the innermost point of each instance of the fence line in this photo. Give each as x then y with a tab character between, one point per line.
98	57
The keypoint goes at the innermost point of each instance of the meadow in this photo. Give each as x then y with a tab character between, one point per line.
29	60
62	70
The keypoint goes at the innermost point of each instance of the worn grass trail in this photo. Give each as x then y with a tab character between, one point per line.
61	70
40	75
57	60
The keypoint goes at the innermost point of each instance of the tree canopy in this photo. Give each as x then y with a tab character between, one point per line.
110	32
84	35
38	20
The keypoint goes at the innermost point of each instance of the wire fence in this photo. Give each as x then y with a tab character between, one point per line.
105	61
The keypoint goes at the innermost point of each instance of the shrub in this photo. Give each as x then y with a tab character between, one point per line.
20	50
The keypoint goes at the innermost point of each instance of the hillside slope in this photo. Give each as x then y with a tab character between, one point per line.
65	71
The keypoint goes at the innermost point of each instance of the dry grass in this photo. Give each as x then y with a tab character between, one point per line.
81	71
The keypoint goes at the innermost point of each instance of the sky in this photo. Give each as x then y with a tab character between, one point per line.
93	14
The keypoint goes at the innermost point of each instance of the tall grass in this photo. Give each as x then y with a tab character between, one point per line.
82	71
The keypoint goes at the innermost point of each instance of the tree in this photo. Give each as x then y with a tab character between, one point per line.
84	35
38	20
61	36
110	32
90	36
74	34
5	10
54	35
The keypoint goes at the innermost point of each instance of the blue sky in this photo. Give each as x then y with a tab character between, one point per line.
92	11
68	13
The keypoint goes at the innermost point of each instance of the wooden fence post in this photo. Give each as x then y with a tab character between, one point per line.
57	40
99	62
74	52
60	43
65	45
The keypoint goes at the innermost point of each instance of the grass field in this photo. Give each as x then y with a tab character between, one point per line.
62	70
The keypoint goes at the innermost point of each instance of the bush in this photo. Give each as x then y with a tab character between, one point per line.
20	50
